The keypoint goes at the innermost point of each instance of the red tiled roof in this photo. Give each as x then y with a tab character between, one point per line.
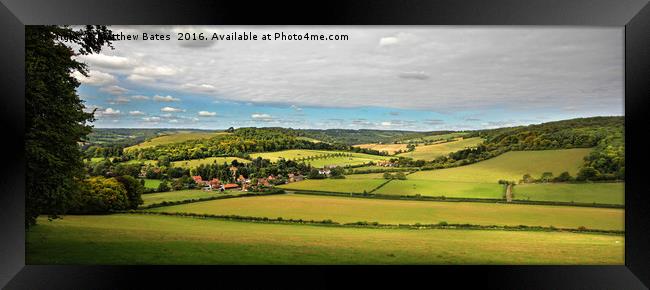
230	185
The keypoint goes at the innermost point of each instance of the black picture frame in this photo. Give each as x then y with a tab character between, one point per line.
634	15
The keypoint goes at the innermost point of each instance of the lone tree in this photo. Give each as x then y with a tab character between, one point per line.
55	120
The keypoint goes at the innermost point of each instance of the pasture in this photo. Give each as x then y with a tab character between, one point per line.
350	209
390	148
434	138
180	136
511	166
152	183
603	193
430	152
442	188
192	163
356	183
179	195
320	158
124	239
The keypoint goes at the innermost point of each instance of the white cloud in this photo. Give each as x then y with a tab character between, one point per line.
416	75
114	90
386	123
262	117
173	121
95	78
140	97
151	119
165	99
171	109
118	101
136	113
155	71
107	61
140	78
207	114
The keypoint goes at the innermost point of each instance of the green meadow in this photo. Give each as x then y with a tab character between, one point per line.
178	137
152	183
169	196
356	183
602	193
511	166
209	160
320	158
124	239
350	209
442	188
430	152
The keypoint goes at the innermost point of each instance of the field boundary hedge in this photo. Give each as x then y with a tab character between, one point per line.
250	194
376	225
450	199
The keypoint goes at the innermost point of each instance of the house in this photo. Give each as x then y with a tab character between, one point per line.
199	180
215	183
263	182
294	177
241	179
324	171
230	186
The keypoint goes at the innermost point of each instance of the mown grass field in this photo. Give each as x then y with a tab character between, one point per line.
390	148
178	137
152	183
511	166
209	160
295	154
603	193
430	152
356	183
442	188
140	239
436	137
350	209
151	198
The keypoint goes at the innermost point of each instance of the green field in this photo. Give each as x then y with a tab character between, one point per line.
430	152
434	138
356	183
210	160
350	209
390	148
178	137
511	166
604	193
355	159
442	188
152	183
151	198
139	239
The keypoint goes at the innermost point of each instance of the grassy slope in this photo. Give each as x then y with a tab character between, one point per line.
210	160
138	239
390	148
179	195
511	166
357	158
352	183
348	209
442	188
607	193
430	152
152	183
174	138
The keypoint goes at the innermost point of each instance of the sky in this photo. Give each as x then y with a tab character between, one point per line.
422	78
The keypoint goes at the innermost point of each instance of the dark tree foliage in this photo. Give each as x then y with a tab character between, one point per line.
55	120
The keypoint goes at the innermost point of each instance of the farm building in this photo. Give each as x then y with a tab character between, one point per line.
230	186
